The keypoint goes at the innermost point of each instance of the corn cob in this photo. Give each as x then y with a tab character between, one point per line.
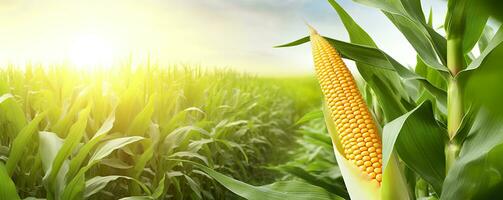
356	130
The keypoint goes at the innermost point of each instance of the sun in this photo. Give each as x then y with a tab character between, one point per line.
91	50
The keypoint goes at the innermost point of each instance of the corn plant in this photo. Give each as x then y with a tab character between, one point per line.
140	133
432	121
441	135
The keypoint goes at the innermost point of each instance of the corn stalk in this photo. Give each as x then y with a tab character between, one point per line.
454	98
460	39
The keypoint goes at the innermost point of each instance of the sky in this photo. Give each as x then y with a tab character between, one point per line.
236	34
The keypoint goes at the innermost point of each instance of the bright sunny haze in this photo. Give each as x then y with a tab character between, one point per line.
238	34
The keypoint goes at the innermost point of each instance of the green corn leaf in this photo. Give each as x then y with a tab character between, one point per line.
419	38
62	125
378	59
159	191
356	33
436	79
393	6
174	120
196	189
230	145
407	8
487	35
360	53
140	163
466	20
76	161
292	190
50	145
75	187
7	186
111	145
495	42
21	141
186	155
365	54
180	136
137	198
116	163
310	178
315	114
142	121
493	7
478	172
127	108
74	136
295	43
422	151
408	16
430	18
11	112
483	77
97	183
433	76
5	97
389	102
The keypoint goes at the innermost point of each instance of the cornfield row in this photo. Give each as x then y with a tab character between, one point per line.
124	132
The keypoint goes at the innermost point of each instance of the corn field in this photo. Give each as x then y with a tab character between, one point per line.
141	132
386	131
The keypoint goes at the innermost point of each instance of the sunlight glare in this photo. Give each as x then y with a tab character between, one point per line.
91	50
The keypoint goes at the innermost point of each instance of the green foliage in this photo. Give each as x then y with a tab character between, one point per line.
21	141
482	76
465	19
314	161
7	187
276	191
375	77
408	17
117	133
416	117
422	151
477	172
493	7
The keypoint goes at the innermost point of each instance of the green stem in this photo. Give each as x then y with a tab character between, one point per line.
451	153
455	58
455	110
454	107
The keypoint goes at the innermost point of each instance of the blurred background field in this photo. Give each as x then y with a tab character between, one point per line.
151	119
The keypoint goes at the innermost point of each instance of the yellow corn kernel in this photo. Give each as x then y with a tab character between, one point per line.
348	109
